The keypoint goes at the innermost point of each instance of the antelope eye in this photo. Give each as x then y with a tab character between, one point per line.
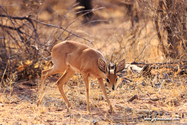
116	79
107	80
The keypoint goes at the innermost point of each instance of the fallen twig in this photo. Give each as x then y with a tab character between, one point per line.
133	98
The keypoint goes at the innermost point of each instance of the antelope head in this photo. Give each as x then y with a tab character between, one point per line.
111	74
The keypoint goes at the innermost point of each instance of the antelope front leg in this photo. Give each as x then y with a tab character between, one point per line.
104	91
87	92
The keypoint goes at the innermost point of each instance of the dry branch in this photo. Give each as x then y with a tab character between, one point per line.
51	25
28	42
147	44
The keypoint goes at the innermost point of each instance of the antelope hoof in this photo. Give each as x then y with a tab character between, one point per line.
88	111
38	102
111	111
68	109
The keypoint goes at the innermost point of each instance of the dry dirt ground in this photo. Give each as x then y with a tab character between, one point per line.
133	101
18	103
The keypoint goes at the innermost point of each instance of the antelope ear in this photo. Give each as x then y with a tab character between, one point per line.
102	65
120	66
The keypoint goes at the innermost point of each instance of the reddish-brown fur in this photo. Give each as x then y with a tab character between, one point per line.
69	57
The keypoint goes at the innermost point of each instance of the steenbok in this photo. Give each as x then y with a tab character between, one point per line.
69	57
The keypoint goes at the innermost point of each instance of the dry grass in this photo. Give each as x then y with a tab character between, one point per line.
19	106
114	40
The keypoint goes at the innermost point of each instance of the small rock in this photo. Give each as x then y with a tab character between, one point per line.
143	83
94	122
